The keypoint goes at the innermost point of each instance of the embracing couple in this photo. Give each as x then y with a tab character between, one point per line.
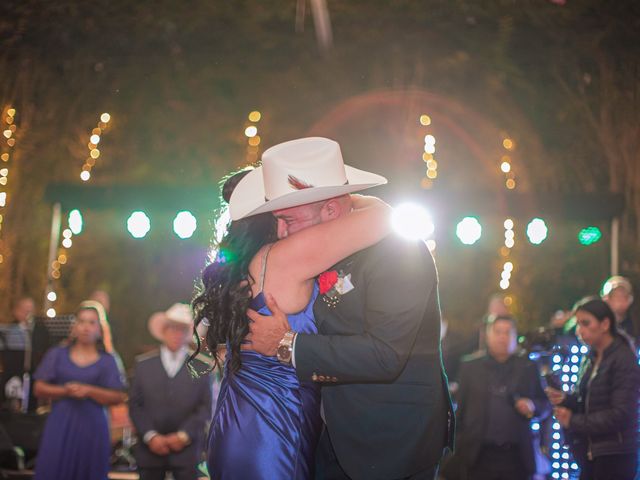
331	326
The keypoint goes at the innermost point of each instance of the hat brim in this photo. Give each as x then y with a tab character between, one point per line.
248	198
157	322
156	325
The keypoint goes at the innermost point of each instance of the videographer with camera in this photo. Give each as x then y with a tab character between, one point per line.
500	392
600	417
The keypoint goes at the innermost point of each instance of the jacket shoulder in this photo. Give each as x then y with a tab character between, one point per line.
397	244
474	357
145	357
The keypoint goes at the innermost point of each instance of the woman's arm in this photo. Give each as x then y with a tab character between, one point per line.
623	401
106	396
311	251
48	391
103	396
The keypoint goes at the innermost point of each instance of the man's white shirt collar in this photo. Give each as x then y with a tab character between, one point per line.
172	361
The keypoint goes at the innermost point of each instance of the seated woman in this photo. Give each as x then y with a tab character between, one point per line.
81	379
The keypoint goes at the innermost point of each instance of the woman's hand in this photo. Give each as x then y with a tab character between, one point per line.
556	397
563	415
77	390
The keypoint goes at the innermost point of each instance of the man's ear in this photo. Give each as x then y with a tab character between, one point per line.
332	209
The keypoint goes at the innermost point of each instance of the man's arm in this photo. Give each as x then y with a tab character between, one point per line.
199	417
399	286
137	410
537	395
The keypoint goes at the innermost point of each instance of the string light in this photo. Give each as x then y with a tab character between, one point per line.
427	156
253	139
74	227
566	366
94	153
506	166
9	135
509	242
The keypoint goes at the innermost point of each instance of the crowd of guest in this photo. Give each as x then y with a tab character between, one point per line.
77	381
499	393
498	390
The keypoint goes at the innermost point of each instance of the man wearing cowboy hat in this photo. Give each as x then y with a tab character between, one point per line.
385	401
169	407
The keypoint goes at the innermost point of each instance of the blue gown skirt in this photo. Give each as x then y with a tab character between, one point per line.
267	423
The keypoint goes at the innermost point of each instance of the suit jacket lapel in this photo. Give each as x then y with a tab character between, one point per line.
321	310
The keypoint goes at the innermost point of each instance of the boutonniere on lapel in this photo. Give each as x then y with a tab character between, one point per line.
333	284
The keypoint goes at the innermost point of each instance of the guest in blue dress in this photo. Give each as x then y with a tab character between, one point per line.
267	422
81	379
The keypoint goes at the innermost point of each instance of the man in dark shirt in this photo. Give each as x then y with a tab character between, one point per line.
500	392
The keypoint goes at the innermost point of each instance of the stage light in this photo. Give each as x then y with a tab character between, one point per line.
412	221
67	243
185	224
67	233
469	230
138	224
537	231
105	117
589	235
75	221
95	139
84	175
251	131
52	297
51	312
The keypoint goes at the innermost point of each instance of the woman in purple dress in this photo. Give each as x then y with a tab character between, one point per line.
81	379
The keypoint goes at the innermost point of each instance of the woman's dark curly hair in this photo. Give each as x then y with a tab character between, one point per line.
224	294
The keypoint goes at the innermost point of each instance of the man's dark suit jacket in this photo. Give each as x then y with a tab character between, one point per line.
473	407
168	405
385	396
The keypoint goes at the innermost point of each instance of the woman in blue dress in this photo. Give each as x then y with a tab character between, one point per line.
267	422
81	379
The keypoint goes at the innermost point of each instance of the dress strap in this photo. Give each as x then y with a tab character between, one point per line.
264	265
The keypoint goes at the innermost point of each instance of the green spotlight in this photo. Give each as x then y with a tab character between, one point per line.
589	235
138	224
537	231
75	222
185	224
469	230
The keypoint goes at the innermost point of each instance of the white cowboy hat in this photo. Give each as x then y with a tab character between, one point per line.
295	173
179	313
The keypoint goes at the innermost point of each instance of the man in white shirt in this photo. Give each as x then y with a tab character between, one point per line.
169	408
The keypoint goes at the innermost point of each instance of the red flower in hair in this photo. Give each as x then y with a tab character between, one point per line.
327	280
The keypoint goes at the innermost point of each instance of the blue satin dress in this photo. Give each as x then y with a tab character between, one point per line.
267	423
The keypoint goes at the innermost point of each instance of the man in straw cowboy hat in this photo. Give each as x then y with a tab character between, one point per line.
385	400
169	407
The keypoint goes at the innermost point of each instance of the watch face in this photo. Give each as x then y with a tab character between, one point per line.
284	353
